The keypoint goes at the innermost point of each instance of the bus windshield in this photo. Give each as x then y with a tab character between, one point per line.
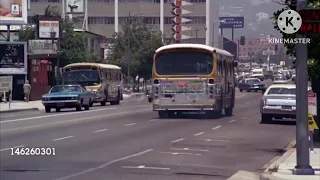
82	77
184	63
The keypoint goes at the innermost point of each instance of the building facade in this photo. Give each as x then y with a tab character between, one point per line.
101	15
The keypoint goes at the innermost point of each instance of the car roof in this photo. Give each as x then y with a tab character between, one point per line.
251	78
282	86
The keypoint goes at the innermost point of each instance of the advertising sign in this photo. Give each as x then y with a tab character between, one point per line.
13	12
231	22
13	58
46	26
192	86
74	6
5	83
312	103
37	47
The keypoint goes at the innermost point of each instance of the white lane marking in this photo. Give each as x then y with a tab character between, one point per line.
62	138
10	148
198	134
232	121
217	140
70	121
104	165
130	124
153	120
145	167
178	140
188	149
217	127
101	130
53	115
179	153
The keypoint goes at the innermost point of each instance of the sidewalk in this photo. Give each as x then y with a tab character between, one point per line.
282	168
21	106
17	106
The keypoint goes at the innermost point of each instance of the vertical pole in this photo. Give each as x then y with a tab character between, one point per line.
208	27
129	50
63	8
58	61
221	32
8	33
232	35
303	157
116	16
238	48
162	16
86	15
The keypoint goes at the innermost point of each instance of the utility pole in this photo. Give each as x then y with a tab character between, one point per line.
303	157
129	50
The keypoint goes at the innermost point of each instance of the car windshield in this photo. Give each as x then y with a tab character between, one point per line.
184	63
58	89
280	78
82	77
253	81
278	90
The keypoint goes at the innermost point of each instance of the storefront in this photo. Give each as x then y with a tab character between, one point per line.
13	62
42	55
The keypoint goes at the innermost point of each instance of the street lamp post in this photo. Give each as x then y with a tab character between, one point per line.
58	43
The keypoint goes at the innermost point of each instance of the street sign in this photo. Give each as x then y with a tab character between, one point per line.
179	3
179	20
311	122
310	21
5	83
312	103
231	22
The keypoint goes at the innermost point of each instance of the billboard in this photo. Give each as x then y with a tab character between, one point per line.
74	6
47	25
13	58
13	12
231	22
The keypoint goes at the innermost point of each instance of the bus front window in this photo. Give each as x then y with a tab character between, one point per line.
82	77
184	63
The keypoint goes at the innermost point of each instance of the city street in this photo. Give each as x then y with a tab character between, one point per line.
129	142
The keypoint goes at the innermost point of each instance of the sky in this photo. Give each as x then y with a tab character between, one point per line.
257	14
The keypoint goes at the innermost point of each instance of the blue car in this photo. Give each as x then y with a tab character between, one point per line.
251	84
67	96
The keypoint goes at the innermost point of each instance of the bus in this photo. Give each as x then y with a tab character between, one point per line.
104	80
193	77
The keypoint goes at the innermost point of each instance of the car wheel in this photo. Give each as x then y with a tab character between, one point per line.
240	90
266	118
58	109
87	107
228	111
78	108
90	103
48	109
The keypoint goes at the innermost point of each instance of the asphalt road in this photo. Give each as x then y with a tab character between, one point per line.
129	142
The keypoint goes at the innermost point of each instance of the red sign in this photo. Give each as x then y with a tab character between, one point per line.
177	3
312	95
177	20
310	21
176	11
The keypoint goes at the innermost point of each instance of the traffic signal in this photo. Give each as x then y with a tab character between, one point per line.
242	40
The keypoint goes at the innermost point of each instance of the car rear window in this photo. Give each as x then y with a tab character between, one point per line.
290	91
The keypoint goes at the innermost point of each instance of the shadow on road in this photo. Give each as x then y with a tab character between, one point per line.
282	122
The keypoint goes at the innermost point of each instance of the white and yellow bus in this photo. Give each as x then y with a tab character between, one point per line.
105	80
193	77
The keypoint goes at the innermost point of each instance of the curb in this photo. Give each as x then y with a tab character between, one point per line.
244	175
268	176
277	161
19	110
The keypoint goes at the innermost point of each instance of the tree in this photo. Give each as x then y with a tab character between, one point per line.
73	46
135	46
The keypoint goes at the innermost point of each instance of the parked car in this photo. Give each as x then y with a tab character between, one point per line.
279	101
280	80
67	96
251	84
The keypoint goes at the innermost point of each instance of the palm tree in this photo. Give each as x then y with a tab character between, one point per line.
52	11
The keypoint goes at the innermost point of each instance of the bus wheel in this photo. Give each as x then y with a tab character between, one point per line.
162	114
103	103
228	111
